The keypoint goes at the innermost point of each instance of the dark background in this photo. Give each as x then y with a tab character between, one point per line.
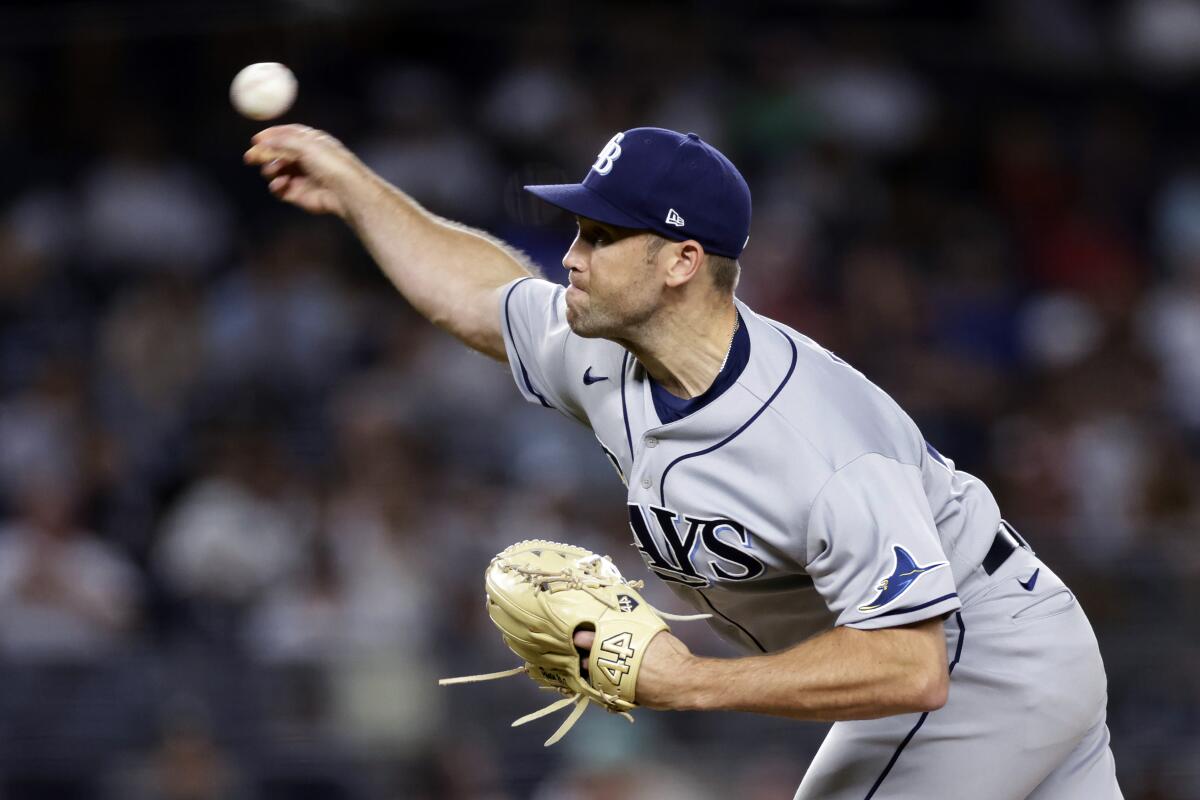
246	496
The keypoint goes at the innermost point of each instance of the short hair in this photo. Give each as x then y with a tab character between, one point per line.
723	271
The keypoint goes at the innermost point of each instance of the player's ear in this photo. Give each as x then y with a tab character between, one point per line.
684	260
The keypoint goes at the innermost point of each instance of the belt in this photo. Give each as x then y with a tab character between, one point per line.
1004	545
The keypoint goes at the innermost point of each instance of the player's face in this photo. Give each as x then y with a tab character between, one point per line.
614	287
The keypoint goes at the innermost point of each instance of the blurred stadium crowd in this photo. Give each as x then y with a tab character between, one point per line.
246	496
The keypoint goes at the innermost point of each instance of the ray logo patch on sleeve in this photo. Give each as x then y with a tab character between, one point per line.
904	573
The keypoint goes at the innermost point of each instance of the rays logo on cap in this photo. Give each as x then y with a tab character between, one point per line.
661	170
904	574
609	155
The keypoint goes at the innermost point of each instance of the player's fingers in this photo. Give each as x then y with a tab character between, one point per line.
266	153
287	144
275	167
279	186
583	645
279	130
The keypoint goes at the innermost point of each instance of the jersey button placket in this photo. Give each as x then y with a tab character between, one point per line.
644	463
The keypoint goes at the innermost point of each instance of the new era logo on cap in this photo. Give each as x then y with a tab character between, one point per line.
660	169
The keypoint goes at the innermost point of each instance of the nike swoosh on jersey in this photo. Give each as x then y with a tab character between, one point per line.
1029	584
903	574
589	379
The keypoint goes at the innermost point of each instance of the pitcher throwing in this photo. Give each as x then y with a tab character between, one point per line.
769	483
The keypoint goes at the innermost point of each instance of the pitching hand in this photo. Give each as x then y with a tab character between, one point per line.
305	167
663	667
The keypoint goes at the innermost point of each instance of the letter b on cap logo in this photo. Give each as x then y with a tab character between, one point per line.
610	153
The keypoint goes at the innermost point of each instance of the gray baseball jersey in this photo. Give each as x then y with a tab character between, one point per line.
792	497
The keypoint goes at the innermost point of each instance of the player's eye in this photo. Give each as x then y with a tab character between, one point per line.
593	236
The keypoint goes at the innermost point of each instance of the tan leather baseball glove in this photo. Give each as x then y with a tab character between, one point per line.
539	593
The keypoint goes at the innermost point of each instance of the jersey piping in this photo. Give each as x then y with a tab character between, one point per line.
962	635
730	620
926	604
520	362
670	408
662	485
624	408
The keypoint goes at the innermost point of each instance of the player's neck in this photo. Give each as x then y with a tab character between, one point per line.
685	349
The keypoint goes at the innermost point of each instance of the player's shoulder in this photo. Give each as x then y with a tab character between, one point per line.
831	404
525	294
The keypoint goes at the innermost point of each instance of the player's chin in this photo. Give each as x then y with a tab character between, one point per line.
587	320
577	299
578	318
577	324
584	325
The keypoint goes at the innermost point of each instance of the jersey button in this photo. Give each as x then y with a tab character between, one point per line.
645	483
651	441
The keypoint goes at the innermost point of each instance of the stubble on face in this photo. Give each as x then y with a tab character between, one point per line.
621	293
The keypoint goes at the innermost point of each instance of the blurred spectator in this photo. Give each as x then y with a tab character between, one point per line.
41	221
536	99
189	767
186	764
1163	36
867	102
285	320
146	209
1169	317
237	531
444	165
1058	330
42	431
64	595
147	381
365	582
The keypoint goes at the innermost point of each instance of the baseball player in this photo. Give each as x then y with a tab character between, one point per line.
769	483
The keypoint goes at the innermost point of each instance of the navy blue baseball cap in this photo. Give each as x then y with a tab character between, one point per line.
672	183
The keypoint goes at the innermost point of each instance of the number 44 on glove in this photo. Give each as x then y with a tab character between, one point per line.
539	593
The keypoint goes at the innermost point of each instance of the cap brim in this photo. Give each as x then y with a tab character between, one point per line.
584	202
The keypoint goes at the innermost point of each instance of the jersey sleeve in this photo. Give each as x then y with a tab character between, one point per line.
873	549
546	359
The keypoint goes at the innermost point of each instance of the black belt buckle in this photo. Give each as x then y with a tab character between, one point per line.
1007	540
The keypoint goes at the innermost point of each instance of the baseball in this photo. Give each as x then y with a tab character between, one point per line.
263	91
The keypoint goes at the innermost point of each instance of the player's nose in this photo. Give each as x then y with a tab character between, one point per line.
574	258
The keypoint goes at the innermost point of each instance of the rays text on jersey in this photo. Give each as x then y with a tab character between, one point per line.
702	550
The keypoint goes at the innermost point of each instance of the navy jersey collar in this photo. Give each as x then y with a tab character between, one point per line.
671	408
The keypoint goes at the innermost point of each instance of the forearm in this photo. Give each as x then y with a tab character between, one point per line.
840	675
448	272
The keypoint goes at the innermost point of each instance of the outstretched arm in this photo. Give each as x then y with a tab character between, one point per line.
842	674
451	274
